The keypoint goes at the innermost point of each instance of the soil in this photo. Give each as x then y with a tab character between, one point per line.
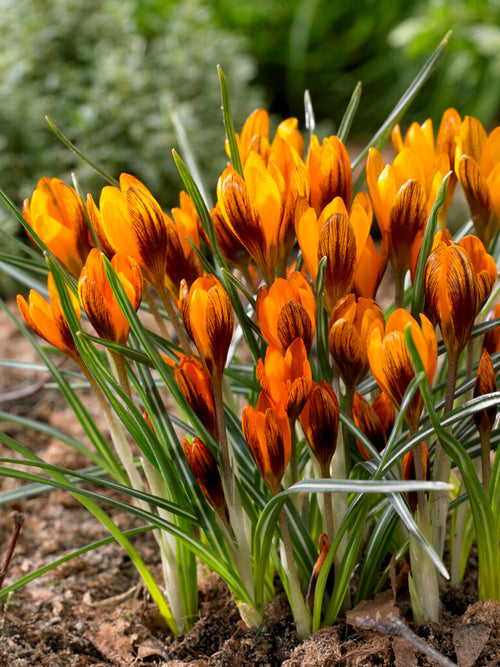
93	611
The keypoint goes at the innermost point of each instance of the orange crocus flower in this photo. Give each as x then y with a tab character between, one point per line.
491	339
390	361
269	439
55	212
259	209
330	173
350	324
232	249
344	238
204	468
208	317
130	221
194	382
287	379
420	139
46	318
286	311
98	300
477	164
485	384
403	195
458	280
320	422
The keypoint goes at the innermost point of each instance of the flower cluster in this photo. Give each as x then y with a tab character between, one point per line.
308	254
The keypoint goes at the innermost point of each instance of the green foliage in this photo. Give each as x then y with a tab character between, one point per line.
108	73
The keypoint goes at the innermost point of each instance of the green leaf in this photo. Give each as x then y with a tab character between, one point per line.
350	113
228	123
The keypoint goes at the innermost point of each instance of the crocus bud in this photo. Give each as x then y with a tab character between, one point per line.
194	382
205	471
98	300
208	317
320	422
324	548
408	466
330	173
367	420
485	384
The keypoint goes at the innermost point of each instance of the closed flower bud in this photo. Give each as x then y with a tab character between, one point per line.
98	300
491	339
367	420
320	422
408	466
205	471
390	361
324	548
485	384
47	319
208	317
349	326
194	382
330	173
287	311
269	439
55	212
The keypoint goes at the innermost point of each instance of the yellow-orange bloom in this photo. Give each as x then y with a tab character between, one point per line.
208	317
46	318
130	221
204	468
269	439
403	195
330	173
320	422
286	311
55	212
287	379
458	280
255	136
345	239
259	209
420	139
350	324
477	164
194	382
390	361
98	300
232	249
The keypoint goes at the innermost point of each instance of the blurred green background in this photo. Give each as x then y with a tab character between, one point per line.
109	72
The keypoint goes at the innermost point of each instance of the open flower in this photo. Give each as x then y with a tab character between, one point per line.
390	361
98	300
477	165
269	439
47	319
55	212
208	317
286	311
287	379
204	468
350	324
458	280
130	221
320	422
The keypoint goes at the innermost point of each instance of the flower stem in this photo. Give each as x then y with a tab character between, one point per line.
166	299
485	436
301	612
155	312
399	283
329	526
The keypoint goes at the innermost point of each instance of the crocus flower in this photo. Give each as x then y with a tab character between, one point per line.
350	323
55	212
208	317
390	361
330	173
46	318
204	468
458	280
491	341
130	221
286	379
98	300
367	420
194	382
485	384
286	311
477	165
320	422
269	439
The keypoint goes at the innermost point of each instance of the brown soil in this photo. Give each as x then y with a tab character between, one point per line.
93	611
